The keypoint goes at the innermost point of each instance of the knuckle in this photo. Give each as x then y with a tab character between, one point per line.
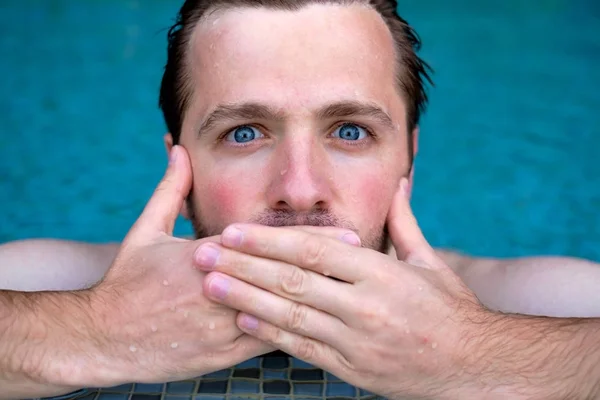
163	186
296	317
314	251
382	275
305	349
276	338
373	315
293	282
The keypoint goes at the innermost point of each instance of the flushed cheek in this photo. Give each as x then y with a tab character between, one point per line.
229	200
374	196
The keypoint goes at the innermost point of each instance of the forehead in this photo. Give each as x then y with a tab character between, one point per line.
293	60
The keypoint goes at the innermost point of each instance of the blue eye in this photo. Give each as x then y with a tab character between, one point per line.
243	134
350	132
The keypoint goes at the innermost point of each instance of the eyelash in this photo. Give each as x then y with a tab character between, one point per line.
370	133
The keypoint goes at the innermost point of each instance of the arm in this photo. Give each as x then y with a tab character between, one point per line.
47	346
36	264
528	357
547	286
536	355
34	323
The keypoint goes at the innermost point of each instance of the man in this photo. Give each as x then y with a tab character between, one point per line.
298	121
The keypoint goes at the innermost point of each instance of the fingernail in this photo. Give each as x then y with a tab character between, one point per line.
231	237
219	287
206	256
173	155
351	238
249	322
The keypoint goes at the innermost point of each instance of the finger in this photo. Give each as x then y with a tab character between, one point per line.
309	350
285	280
287	314
345	235
317	253
162	209
244	348
407	238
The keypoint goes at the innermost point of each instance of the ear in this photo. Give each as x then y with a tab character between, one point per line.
168	140
415	150
415	142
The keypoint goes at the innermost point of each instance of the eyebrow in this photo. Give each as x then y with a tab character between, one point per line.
237	112
253	111
353	108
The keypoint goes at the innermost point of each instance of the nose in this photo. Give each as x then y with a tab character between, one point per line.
300	179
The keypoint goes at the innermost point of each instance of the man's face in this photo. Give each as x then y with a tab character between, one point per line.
295	120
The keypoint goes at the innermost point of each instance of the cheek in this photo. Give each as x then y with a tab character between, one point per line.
376	193
371	200
224	197
227	199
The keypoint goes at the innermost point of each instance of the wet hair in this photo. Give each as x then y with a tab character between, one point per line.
176	89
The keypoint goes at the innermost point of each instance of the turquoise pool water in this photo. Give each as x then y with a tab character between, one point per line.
508	160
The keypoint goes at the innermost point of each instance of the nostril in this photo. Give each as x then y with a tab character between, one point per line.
282	205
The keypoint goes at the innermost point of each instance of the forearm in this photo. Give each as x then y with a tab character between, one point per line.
513	356
46	344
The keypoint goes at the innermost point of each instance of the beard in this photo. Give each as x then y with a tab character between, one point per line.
378	240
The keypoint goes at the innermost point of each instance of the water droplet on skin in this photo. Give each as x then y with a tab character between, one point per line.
132	348
420	288
420	351
326	272
174	345
433	345
153	328
186	314
283	171
211	325
165	283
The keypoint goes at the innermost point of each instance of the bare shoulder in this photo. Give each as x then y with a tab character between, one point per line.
49	264
539	285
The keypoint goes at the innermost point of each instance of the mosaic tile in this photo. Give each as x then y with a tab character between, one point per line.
181	387
149	388
251	373
277	387
113	396
246	387
313	389
213	387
